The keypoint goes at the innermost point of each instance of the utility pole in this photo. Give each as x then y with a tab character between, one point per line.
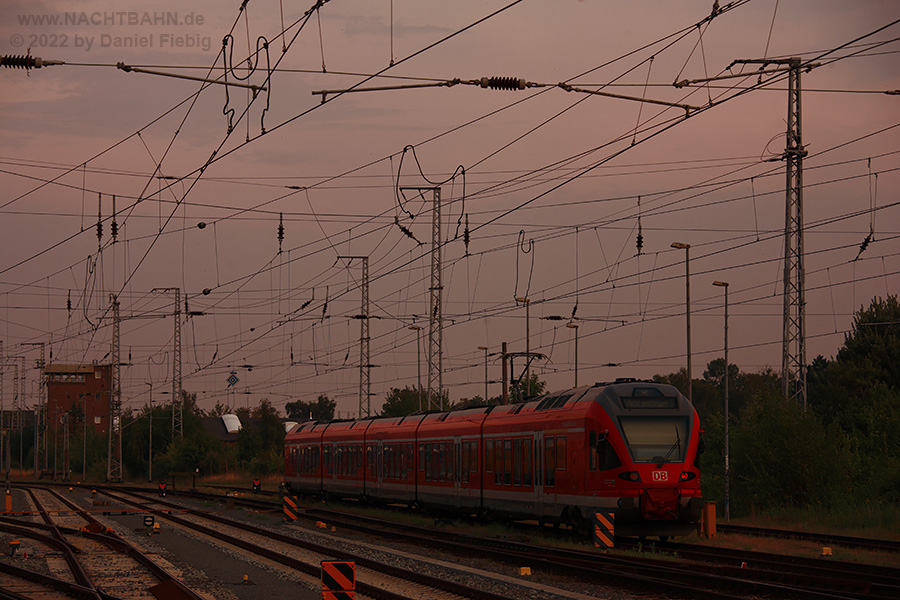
504	396
365	366
7	460
435	321
793	361
177	414
793	340
435	312
114	447
40	416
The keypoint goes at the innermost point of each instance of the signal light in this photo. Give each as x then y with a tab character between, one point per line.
686	476
630	476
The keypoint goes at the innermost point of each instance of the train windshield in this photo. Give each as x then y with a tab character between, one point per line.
656	439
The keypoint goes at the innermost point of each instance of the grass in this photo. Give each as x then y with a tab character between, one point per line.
866	519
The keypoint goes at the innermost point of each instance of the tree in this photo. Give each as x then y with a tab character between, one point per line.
869	357
218	410
320	410
707	400
261	439
536	388
399	403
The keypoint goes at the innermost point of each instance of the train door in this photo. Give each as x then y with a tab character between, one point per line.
370	478
537	449
379	466
457	471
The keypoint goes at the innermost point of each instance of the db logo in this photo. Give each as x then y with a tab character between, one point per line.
660	475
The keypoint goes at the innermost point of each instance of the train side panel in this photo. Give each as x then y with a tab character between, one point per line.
390	468
448	459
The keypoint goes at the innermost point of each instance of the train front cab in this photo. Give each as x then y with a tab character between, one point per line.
645	441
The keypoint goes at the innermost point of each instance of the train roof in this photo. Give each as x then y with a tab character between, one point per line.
622	396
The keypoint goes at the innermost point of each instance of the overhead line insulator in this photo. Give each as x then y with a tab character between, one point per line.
11	61
503	83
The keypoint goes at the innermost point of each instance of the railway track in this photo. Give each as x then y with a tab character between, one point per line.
696	574
83	558
822	538
377	580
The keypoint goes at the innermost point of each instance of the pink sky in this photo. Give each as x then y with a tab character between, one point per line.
707	181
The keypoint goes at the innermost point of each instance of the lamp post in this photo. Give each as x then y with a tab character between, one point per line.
724	284
418	331
150	436
574	326
485	348
687	312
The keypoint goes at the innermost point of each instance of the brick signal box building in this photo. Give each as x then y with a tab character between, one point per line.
86	388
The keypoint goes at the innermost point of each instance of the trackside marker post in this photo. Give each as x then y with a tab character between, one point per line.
289	506
604	530
708	520
338	580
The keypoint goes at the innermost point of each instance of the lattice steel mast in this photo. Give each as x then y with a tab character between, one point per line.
114	448
793	347
177	408
365	365
40	415
793	361
435	313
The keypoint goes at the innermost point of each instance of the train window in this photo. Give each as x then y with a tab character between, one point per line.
561	453
436	461
498	462
561	401
446	462
465	461
370	457
328	460
549	462
489	456
517	462
656	439
473	456
422	457
402	472
507	462
426	463
592	450
526	468
399	460
410	458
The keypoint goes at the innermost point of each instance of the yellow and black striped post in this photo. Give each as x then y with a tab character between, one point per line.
604	530
289	506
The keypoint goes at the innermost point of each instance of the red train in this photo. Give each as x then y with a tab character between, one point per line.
629	447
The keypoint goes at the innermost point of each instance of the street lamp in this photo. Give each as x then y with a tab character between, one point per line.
727	468
418	331
574	326
485	348
687	312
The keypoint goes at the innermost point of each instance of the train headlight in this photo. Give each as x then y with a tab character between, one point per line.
686	476
630	476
